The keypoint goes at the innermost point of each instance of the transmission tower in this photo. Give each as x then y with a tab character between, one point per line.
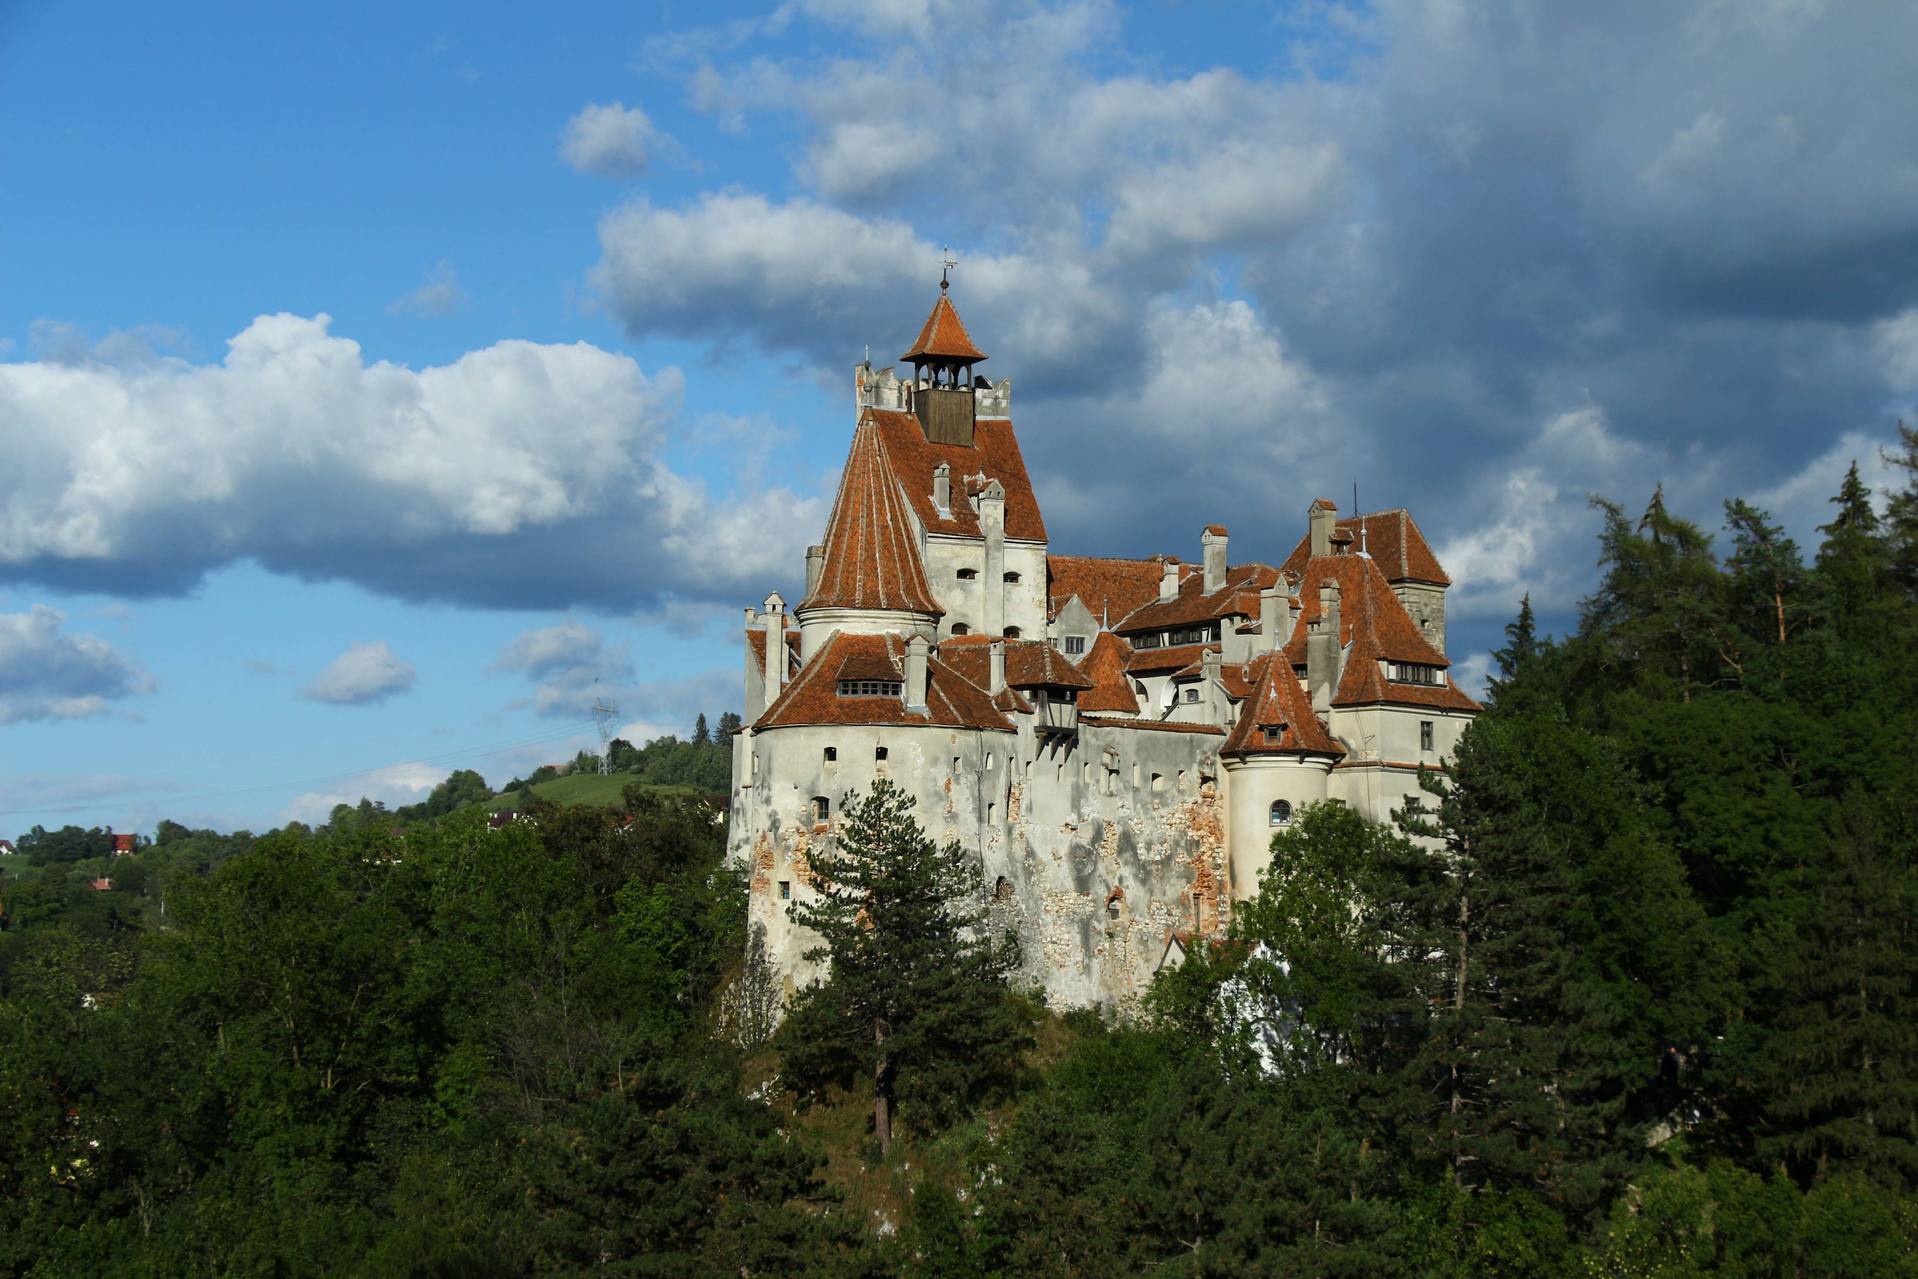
605	714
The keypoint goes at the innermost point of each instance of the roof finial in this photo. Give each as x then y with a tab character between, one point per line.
946	263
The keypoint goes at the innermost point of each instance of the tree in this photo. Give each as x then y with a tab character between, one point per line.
702	736
1854	562
1901	512
729	726
916	999
1768	579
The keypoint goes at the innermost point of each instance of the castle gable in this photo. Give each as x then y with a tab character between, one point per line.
1393	541
1375	633
1277	719
993	455
856	679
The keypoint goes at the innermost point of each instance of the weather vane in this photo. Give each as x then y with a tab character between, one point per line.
946	263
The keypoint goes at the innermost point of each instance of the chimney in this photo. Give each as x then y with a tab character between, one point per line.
775	646
992	523
1322	517
1275	617
1212	541
998	667
1322	650
1169	580
815	565
915	690
942	487
1211	668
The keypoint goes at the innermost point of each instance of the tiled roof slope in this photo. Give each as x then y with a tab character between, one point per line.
756	641
994	454
1029	663
1109	588
952	701
1239	595
1373	626
872	552
1111	691
1159	661
1391	538
943	336
1279	701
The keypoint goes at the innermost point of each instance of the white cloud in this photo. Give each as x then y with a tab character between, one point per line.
441	294
46	673
395	785
475	480
1895	341
363	674
610	139
572	666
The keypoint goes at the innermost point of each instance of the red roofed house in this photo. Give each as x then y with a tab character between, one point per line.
125	845
1117	738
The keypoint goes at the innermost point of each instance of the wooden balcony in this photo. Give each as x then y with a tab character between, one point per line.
1057	711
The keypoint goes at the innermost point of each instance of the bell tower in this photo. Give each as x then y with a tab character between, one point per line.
942	377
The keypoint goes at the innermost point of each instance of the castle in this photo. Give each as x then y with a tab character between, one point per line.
1117	739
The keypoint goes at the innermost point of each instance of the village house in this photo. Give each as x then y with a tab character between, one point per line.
1116	739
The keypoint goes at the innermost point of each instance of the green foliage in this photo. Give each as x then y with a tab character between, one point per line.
915	1002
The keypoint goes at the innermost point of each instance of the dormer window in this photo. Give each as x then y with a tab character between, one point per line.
1274	733
1412	673
871	687
1075	645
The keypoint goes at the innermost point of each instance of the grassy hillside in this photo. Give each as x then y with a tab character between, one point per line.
578	789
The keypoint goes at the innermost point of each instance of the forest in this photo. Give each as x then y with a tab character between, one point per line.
1633	991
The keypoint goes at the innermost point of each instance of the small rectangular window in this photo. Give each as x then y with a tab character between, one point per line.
878	752
1425	734
968	574
832	754
870	687
1192	694
1075	644
785	890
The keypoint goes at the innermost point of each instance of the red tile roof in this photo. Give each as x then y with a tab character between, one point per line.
1029	663
1159	661
993	455
952	701
1391	538
1239	596
1105	665
1108	588
1279	701
756	641
872	551
1152	725
943	336
1373	627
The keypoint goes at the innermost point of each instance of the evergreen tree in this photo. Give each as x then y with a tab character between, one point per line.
1768	581
1853	563
916	1000
702	736
1517	663
1656	620
729	726
1901	513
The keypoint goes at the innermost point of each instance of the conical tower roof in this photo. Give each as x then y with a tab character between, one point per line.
944	337
1279	704
872	556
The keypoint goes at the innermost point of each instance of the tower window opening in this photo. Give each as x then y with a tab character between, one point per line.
1013	632
1011	579
1281	813
785	890
960	628
968	574
821	808
879	752
1425	734
832	754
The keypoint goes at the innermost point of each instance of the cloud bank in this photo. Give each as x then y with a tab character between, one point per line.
47	673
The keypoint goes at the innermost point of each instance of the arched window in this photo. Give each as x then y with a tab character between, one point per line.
960	628
1013	632
821	808
1012	579
1281	812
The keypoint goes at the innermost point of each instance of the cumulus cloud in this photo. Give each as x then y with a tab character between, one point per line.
47	673
441	294
394	785
571	665
610	139
474	481
362	675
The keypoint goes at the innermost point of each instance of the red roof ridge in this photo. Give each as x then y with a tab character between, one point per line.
1279	701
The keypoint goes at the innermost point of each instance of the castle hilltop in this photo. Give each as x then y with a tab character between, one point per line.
1117	739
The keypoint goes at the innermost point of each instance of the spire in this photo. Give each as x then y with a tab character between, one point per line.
1277	719
943	339
872	556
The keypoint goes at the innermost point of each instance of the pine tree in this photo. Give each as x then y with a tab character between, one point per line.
702	736
1901	513
729	726
1767	576
916	999
1518	662
1854	562
1658	607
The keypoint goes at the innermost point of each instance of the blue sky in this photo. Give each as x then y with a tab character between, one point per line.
379	385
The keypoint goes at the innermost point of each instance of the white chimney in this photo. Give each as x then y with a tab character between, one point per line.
1275	617
942	487
815	565
1169	580
997	666
1212	543
1322	650
1321	519
775	646
915	690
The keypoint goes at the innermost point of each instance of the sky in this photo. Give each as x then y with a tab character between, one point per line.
381	386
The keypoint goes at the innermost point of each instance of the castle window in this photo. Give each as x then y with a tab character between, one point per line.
1274	733
879	752
832	754
870	687
1013	632
1412	673
960	628
1281	813
968	574
1425	734
1192	694
1012	579
785	890
821	808
1002	891
1147	641
1075	644
991	809
1138	686
1158	783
